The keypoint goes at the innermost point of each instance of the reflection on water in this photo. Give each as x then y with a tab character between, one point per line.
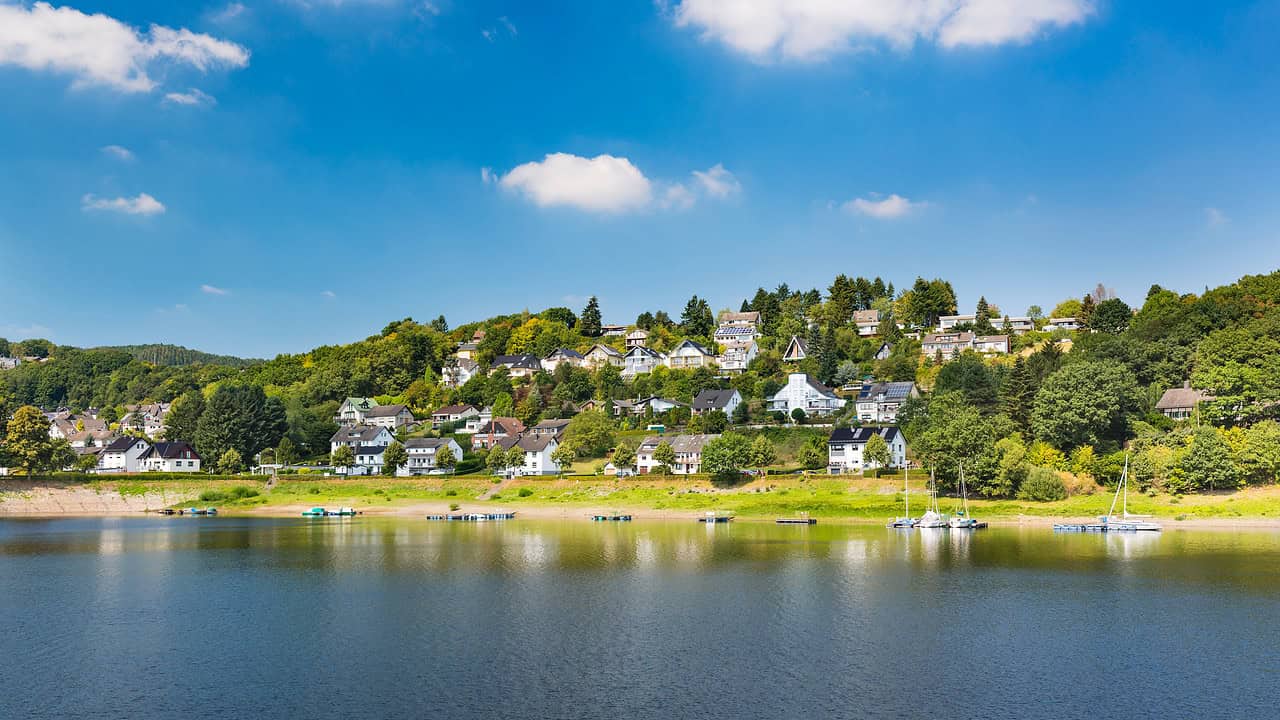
400	617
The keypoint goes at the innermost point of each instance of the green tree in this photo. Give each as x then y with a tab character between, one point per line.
564	455
504	406
1069	308
1084	403
1110	316
798	415
286	451
982	318
342	457
240	417
230	462
742	413
1260	456
969	375
665	456
1036	313
515	457
1013	466
445	459
394	457
725	457
28	444
609	383
763	453
624	457
876	452
697	320
1042	485
591	432
590	322
1207	463
86	462
496	461
1017	394
811	457
715	422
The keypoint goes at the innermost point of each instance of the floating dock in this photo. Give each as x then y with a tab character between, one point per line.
474	517
611	518
1095	527
797	521
713	519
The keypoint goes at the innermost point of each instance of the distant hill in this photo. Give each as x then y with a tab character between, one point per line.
177	356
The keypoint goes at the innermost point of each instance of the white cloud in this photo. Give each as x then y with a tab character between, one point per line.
100	50
194	96
889	208
809	30
143	204
718	182
228	13
329	293
487	176
511	28
213	290
493	33
677	197
118	152
603	183
1215	217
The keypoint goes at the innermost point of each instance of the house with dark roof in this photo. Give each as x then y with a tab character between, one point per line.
879	402
687	448
726	401
560	356
797	350
884	352
640	360
537	453
123	455
392	417
1181	403
453	414
423	454
846	449
518	365
803	391
355	436
550	428
175	456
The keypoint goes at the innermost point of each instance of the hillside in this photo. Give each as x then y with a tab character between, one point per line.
176	355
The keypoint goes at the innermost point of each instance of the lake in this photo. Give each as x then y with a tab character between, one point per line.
370	617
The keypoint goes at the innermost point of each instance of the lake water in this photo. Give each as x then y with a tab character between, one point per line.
283	618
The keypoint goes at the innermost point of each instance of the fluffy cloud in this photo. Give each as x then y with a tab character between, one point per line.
718	182
118	152
889	208
603	183
193	96
100	50
609	184
143	204
812	29
212	290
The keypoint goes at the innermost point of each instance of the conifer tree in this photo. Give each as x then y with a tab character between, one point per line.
589	322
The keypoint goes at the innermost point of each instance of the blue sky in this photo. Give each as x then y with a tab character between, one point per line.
272	175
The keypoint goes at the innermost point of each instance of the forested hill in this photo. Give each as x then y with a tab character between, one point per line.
176	355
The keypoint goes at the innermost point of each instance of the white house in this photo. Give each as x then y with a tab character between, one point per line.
537	453
1062	323
562	355
458	371
805	392
638	406
475	422
867	322
518	365
735	334
358	435
423	452
880	402
949	322
689	354
123	455
453	414
637	338
949	345
170	457
1020	325
992	344
737	355
352	410
846	446
392	417
639	360
369	460
725	401
749	318
1181	403
148	417
687	448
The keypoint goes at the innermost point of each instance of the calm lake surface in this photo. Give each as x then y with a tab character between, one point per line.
283	618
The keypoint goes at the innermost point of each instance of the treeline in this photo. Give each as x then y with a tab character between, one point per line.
169	355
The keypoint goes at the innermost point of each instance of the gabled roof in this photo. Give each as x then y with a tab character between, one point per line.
799	343
642	350
991	338
749	316
453	410
679	443
170	451
604	349
1183	397
357	433
416	443
890	390
713	399
386	411
555	425
564	353
370	449
122	444
860	435
361	403
501	425
866	316
692	344
525	362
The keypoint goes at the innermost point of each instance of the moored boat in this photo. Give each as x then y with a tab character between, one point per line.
906	521
962	520
932	518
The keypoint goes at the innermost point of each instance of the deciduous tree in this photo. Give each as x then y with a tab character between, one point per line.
394	457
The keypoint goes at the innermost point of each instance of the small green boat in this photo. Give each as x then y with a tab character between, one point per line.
321	512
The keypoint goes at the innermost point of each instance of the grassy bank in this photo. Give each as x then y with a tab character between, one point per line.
860	498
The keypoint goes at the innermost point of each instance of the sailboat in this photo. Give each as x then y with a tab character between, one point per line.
1126	521
931	517
961	520
906	521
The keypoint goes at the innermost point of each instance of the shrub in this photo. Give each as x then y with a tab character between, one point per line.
453	506
212	496
314	490
450	492
524	492
1042	485
241	492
